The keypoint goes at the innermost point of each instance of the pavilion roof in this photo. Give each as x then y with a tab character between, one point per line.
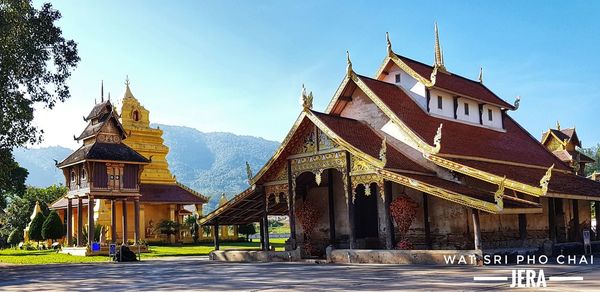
104	152
156	193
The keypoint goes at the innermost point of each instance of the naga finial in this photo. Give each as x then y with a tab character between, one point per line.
306	99
557	125
249	172
517	102
480	78
433	75
349	64
389	45
546	180
383	151
437	140
499	194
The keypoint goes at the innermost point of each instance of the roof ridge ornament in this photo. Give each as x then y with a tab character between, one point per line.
499	195
438	52
102	90
383	151
306	99
480	78
390	52
127	89
545	181
437	140
349	64
557	125
249	173
517	102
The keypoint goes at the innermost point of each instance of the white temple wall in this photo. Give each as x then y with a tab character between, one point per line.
496	121
473	114
447	109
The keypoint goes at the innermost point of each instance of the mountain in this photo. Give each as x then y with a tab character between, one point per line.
211	163
40	164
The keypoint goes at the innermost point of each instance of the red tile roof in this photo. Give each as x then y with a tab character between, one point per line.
456	83
515	144
562	183
364	138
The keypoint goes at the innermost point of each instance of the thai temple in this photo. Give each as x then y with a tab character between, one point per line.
417	157
121	168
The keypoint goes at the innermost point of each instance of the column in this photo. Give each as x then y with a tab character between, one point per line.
113	221
261	227
266	222
389	226
522	226
136	230
90	220
350	204
69	216
576	220
216	236
551	220
331	207
79	222
476	229
124	222
597	211
291	206
426	220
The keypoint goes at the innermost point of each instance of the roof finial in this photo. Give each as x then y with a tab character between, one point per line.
480	75
306	99
127	90
439	55
557	125
389	45
102	90
349	62
109	95
517	102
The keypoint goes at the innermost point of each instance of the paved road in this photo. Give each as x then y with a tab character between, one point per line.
197	273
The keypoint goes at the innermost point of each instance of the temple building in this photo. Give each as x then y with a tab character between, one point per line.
415	157
564	143
122	167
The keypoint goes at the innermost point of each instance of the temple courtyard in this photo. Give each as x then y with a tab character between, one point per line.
198	273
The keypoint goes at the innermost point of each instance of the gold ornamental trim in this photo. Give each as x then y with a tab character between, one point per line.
443	193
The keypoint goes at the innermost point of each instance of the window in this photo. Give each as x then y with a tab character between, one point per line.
73	176
440	105
136	115
398	77
489	114
83	174
466	109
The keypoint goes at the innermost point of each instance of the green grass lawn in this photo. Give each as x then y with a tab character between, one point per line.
40	257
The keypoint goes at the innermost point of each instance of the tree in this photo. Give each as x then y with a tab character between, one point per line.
15	237
191	222
53	227
12	176
168	228
20	207
35	228
594	153
247	230
35	63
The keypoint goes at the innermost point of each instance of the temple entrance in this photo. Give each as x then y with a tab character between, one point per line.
365	218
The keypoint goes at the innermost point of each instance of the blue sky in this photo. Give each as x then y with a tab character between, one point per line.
238	66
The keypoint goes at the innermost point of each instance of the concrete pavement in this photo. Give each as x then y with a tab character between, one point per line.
199	274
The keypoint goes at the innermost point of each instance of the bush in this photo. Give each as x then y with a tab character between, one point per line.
53	227
15	237
35	228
